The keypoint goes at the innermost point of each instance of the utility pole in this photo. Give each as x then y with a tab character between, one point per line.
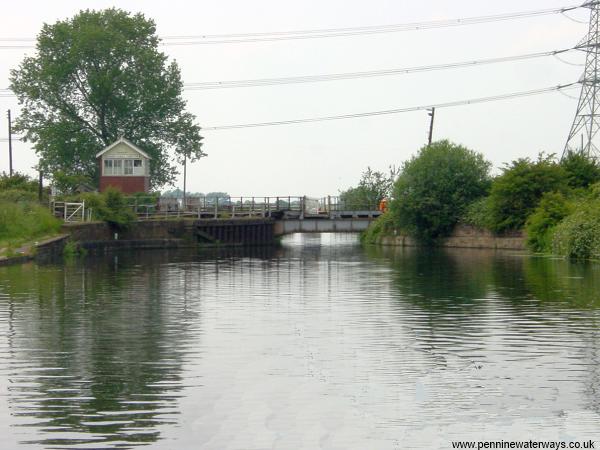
587	117
184	179
431	113
40	186
10	162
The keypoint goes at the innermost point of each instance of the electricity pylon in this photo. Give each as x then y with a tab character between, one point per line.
587	119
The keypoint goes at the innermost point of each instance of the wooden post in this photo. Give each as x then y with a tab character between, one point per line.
41	187
184	182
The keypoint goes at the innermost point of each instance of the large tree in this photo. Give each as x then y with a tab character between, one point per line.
436	186
94	78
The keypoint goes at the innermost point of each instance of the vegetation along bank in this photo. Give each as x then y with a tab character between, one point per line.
554	204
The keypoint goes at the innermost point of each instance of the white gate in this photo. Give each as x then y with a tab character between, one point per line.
69	212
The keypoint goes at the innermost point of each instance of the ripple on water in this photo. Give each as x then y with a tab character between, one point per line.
319	344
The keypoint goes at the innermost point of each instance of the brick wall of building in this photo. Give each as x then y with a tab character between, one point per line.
127	185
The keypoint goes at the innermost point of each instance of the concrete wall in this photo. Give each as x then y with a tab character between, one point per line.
173	233
465	236
41	252
290	226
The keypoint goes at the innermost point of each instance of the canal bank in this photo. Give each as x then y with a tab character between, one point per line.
152	234
463	236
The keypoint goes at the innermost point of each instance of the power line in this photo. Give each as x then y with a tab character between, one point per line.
473	101
394	111
354	31
365	74
233	38
354	75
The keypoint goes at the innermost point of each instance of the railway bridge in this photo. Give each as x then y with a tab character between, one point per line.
233	220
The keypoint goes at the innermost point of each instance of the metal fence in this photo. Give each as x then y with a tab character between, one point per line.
232	207
224	207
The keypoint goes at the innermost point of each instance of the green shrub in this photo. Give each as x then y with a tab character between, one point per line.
479	214
578	235
115	209
383	226
581	170
18	181
435	188
17	196
20	188
553	208
517	192
110	206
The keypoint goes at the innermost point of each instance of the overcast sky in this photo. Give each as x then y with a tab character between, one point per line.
318	159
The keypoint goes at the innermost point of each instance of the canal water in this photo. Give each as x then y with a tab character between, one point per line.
319	344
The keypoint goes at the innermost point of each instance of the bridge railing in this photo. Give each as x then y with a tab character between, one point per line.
232	207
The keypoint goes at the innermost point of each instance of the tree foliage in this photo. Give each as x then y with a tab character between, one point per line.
94	78
553	208
581	171
517	192
436	186
373	187
578	235
479	214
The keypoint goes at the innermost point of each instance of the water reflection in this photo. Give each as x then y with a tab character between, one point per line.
94	354
318	344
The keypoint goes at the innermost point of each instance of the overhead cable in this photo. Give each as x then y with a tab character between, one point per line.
354	31
232	38
393	111
354	75
364	74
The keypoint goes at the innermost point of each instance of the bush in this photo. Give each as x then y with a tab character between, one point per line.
479	214
581	170
435	188
18	196
578	235
115	210
111	206
20	188
18	182
553	208
517	192
380	227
